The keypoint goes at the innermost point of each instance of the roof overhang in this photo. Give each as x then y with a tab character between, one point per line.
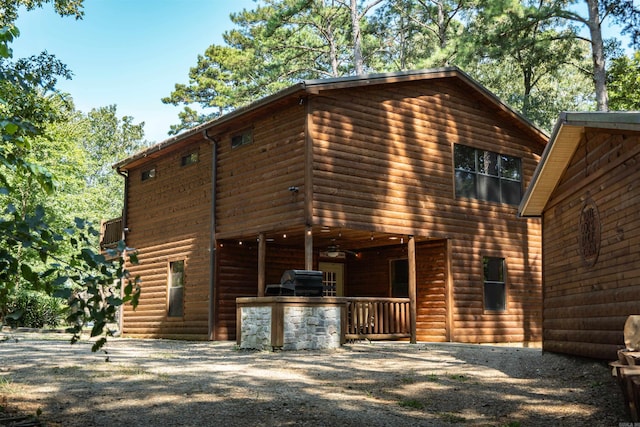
312	87
564	141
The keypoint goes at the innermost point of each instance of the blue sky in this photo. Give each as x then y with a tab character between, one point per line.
128	52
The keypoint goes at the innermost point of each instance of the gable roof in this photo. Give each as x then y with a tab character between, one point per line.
564	141
311	87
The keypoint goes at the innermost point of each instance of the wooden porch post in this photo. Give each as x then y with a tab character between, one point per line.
448	283
262	258
308	248
308	185
411	252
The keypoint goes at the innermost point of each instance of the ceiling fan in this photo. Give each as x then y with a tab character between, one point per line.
334	251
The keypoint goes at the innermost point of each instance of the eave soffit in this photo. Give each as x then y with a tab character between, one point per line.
566	136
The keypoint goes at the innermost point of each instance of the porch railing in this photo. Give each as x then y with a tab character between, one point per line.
377	318
110	233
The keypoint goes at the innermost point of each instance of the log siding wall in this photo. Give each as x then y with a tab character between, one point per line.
366	276
237	277
369	276
169	220
585	306
254	179
383	160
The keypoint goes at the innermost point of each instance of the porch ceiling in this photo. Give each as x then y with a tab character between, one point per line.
344	239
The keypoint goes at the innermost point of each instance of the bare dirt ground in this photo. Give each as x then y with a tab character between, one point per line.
177	383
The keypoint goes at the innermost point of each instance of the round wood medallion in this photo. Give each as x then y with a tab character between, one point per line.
589	233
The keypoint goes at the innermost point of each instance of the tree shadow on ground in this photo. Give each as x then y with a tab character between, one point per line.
160	382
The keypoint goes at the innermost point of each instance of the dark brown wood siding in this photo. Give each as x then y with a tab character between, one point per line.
383	156
370	276
383	161
282	258
586	303
254	179
431	289
380	160
237	277
365	276
169	220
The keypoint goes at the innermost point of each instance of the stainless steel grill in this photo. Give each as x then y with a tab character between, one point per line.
301	283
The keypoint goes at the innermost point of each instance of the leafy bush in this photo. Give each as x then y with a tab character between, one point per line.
33	309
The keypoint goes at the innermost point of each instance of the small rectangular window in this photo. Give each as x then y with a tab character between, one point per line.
189	159
400	278
148	174
495	289
176	289
243	138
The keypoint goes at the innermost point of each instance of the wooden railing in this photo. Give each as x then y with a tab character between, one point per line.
377	318
110	233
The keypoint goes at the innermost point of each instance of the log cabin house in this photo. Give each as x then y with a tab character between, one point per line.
403	188
587	189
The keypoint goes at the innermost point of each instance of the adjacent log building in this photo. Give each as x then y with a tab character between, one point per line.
587	189
391	184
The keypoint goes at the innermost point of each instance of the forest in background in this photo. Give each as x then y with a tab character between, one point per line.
56	179
539	56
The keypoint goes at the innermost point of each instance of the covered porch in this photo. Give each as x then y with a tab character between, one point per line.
394	286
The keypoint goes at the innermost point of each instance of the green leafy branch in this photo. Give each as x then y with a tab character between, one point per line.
33	252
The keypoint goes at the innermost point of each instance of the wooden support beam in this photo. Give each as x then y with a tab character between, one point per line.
308	248
262	263
448	284
413	316
308	186
309	132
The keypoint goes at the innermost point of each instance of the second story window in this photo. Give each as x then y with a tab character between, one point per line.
189	159
148	174
485	175
243	138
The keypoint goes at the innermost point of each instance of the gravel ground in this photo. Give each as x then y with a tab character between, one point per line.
177	383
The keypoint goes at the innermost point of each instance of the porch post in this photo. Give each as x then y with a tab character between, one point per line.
448	283
308	184
308	248
262	258
411	252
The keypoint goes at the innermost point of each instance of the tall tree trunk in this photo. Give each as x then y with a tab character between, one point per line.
333	52
597	52
442	28
527	75
358	62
